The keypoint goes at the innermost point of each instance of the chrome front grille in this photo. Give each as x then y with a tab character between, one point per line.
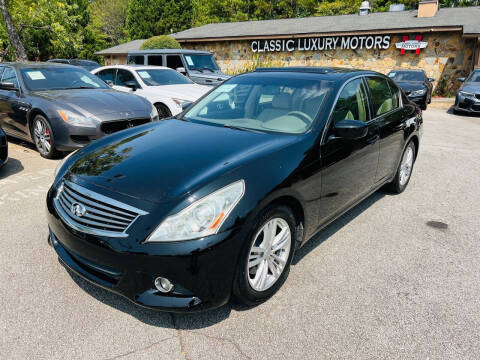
93	213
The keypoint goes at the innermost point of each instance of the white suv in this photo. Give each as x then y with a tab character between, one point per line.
165	88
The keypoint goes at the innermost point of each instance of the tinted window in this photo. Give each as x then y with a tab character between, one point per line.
156	60
283	103
9	76
407	75
107	75
60	77
201	62
382	101
395	91
352	103
136	59
174	61
152	77
475	77
124	76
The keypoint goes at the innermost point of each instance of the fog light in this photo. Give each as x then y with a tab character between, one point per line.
163	285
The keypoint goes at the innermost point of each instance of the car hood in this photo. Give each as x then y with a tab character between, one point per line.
94	102
411	86
190	92
471	87
167	160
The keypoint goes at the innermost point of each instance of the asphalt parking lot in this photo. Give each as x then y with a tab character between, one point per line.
396	277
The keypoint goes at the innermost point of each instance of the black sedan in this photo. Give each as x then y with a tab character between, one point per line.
3	148
416	85
63	107
468	96
179	215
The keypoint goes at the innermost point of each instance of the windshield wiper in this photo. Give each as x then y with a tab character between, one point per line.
206	68
80	87
236	127
198	69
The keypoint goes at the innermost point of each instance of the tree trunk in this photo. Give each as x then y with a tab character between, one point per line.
12	32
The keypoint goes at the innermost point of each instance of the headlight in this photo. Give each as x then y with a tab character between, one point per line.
61	163
76	119
180	102
418	92
154	114
466	94
202	218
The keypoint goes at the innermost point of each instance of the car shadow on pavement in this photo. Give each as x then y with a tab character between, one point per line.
192	321
336	225
13	166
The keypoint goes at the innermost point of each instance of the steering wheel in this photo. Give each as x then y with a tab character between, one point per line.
302	116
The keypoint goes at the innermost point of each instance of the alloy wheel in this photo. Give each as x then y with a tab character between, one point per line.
42	136
269	254
406	166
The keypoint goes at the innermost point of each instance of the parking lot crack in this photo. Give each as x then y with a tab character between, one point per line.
180	337
235	345
140	349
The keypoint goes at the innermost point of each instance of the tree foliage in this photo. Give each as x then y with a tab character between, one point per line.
161	42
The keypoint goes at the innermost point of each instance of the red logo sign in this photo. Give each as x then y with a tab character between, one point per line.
407	44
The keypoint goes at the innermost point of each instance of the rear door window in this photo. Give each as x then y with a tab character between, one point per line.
381	96
136	59
107	75
156	60
174	61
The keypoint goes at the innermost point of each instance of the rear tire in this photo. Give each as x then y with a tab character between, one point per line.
405	169
43	137
265	259
163	111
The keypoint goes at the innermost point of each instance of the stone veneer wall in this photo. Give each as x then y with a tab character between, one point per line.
447	56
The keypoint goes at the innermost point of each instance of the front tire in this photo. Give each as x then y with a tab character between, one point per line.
265	259
43	137
404	171
163	111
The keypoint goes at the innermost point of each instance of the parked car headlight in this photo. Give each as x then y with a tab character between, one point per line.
180	102
418	92
61	163
154	114
76	119
466	94
202	218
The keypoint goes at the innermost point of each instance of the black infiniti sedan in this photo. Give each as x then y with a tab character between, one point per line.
62	107
416	85
3	148
468	96
180	215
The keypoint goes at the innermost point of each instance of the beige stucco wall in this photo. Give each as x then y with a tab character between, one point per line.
447	56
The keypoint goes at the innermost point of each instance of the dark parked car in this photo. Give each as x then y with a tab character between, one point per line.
468	96
3	148
88	65
416	85
63	107
179	214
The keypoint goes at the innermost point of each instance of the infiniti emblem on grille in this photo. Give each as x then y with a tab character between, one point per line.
78	209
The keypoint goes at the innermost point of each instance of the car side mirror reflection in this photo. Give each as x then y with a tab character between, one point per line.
461	79
181	70
109	82
350	129
8	86
186	105
131	84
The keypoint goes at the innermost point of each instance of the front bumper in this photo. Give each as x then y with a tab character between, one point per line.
467	104
419	100
202	270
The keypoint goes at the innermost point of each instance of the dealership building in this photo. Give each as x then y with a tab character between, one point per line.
444	42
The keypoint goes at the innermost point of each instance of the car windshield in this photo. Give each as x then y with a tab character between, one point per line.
475	77
283	103
201	62
60	78
157	77
407	76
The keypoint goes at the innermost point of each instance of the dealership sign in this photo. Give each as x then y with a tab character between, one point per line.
410	45
321	44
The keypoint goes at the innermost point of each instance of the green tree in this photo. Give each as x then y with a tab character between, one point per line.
175	15
161	42
108	20
142	18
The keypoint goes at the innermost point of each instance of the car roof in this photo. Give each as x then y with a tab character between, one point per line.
168	51
134	67
22	65
332	71
407	70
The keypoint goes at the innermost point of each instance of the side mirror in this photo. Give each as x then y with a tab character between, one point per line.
351	129
431	79
109	82
8	86
461	79
181	70
131	84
